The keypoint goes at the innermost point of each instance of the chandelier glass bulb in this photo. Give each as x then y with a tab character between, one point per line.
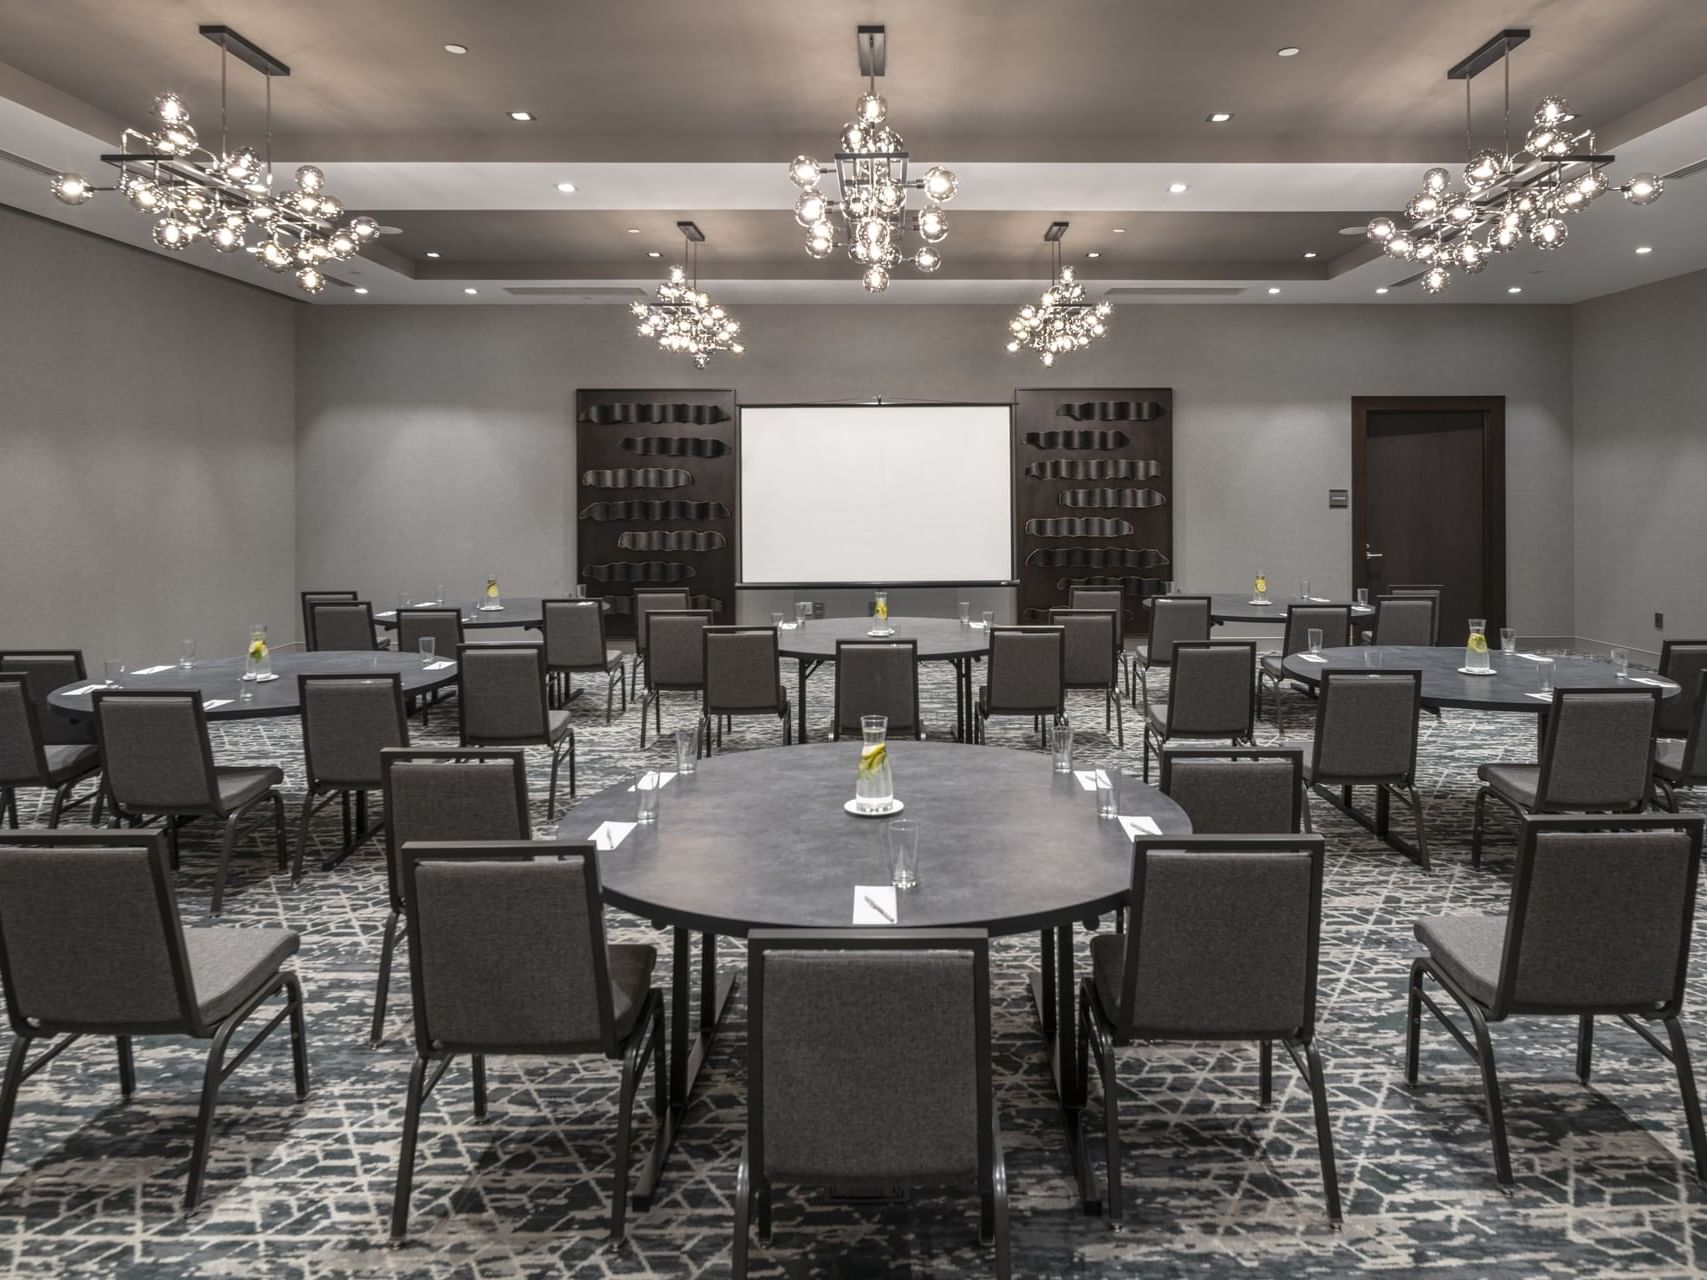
1381	229
1643	188
1483	169
72	188
1548	233
311	280
940	183
876	278
170	233
1435	279
1436	180
927	259
933	224
1552	110
870	108
803	171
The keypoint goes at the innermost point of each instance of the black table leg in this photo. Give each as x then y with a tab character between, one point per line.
1055	997
806	667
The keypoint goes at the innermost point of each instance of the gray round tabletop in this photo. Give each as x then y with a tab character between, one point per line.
1511	687
220	683
938	638
1236	606
759	839
518	611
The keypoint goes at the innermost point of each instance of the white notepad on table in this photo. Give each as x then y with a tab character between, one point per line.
211	703
1088	778
871	901
1139	826
153	671
654	781
1309	657
608	835
440	665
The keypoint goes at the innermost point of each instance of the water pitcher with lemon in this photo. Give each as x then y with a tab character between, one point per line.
874	786
880	616
490	600
1476	647
258	658
1260	589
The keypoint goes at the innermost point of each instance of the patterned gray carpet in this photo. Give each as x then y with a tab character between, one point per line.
1217	1185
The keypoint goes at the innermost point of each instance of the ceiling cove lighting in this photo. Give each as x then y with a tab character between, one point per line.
1064	320
683	320
222	197
869	217
1511	194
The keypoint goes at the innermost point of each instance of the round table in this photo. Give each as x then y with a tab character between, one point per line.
1236	606
218	680
518	611
939	640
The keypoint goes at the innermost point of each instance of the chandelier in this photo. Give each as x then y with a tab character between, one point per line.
869	217
1510	196
1065	319
225	197
683	319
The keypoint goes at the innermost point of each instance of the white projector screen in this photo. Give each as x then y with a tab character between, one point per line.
884	494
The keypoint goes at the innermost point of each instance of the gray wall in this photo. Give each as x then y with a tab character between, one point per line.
1641	462
147	426
437	442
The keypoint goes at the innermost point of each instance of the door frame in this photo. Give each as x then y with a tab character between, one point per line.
1492	409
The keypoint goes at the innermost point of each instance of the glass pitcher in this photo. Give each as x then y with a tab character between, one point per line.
1261	587
880	616
874	786
1476	647
492	600
258	658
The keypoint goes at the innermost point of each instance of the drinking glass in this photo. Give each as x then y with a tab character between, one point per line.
1304	590
580	591
403	601
1063	747
115	673
1372	657
1168	587
426	645
1544	674
989	618
646	798
1313	640
1508	639
776	621
439	594
902	836
1108	792
186	654
1363	597
1620	662
802	610
687	751
965	613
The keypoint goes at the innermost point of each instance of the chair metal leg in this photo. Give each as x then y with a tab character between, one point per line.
406	1157
1585	1046
15	1064
225	848
302	836
212	1074
1476	827
1686	1086
743	1217
1413	1022
999	1193
1421	827
1324	1133
479	1065
298	1034
627	1090
386	948
9	807
551	791
1265	1072
1491	1086
279	836
127	1069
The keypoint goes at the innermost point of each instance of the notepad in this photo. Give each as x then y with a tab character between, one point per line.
440	665
153	671
1088	778
1139	826
389	613
1535	657
1544	697
1658	684
1309	657
871	901
211	703
88	688
654	781
607	835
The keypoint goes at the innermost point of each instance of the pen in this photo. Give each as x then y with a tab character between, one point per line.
873	904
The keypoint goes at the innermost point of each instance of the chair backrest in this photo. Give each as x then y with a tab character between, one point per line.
1683	661
347	720
1109	600
1028	670
343	624
155	750
1366	727
675	653
844	1025
450	795
1088	636
1224	937
309	600
1599	749
1236	791
22	761
1333	619
648	600
742	670
574	634
443	625
1407	619
877	678
1694	762
90	937
1209	694
1600	917
502	693
1175	620
50	669
507	948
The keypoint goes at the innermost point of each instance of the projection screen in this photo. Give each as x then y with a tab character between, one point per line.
881	494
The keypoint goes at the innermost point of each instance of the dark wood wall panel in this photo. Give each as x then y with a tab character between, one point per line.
1120	536
621	501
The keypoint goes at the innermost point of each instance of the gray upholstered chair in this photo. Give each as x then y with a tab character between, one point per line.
743	676
442	795
507	955
1682	661
1209	696
347	720
343	624
502	703
1683	764
1092	660
647	601
1223	944
309	600
91	945
1173	620
443	627
1366	736
47	670
28	760
1407	620
1253	791
877	678
1334	622
1598	925
868	1067
1027	676
159	764
1107	600
1597	757
675	659
575	642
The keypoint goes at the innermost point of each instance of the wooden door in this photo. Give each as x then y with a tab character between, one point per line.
1428	502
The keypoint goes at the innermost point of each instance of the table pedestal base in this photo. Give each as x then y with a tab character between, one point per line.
1055	1002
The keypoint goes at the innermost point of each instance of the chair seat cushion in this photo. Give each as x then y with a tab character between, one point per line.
1108	965
557	725
613	659
1467	949
1517	782
240	784
1273	664
228	965
72	760
1158	719
1668	759
630	977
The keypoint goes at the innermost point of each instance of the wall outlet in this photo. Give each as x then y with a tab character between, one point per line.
817	608
1659	622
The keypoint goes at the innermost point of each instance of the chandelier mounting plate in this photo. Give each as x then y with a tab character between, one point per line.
244	50
873	50
1489	54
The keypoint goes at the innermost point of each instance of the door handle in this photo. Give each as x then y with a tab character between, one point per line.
1370	555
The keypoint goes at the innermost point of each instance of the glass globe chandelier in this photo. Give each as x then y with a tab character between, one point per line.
1064	319
868	217
1510	196
680	317
226	198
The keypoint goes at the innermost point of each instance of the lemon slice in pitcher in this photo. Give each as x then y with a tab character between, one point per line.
1478	643
871	758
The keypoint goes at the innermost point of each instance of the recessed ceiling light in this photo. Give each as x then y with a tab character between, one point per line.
1178	188
1644	248
456	48
633	231
1220	117
1516	288
1310	254
1290	51
432	253
522	117
471	289
1273	289
567	188
1094	253
653	253
1382	289
359	289
1120	231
